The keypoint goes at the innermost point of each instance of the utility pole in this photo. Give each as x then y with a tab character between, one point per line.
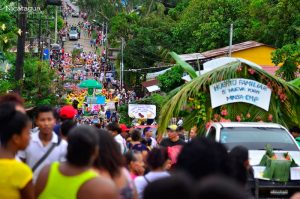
230	39
122	63
198	65
103	33
106	42
55	36
22	21
40	34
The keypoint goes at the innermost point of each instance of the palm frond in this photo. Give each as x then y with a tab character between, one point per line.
280	111
187	67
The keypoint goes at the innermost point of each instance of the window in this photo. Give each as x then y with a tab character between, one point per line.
256	138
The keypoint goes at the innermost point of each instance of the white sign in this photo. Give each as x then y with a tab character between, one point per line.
142	111
240	90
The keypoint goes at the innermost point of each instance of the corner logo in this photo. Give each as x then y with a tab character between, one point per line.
13	9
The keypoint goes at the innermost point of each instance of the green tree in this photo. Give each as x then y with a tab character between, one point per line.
289	57
171	79
277	23
204	25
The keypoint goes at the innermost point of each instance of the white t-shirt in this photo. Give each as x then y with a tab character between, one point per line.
121	141
141	183
35	150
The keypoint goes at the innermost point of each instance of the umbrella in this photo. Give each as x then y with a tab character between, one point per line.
90	83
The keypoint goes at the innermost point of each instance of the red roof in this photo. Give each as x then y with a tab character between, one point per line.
236	47
150	83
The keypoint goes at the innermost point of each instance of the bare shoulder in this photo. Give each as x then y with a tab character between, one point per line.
98	188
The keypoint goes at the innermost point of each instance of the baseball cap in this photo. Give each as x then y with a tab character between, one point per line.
67	112
123	127
172	127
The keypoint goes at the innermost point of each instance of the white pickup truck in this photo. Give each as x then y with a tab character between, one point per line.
255	136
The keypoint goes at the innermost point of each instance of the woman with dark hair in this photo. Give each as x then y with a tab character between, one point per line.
16	177
75	178
135	163
136	144
156	161
110	164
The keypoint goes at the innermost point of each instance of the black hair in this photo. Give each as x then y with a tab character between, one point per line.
295	129
219	187
157	157
11	122
136	135
237	156
179	128
209	157
44	109
114	127
130	156
174	187
66	126
146	130
82	143
110	157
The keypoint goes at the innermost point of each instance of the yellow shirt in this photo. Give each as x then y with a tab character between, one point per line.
14	176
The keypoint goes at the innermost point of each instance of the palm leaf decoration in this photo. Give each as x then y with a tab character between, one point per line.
187	67
296	82
194	99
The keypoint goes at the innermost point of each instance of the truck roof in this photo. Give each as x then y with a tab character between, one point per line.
248	124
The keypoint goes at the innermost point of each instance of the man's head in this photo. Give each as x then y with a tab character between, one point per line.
67	113
45	119
147	132
171	130
295	131
114	128
124	131
66	127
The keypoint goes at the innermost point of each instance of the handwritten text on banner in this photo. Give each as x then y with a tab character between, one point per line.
240	90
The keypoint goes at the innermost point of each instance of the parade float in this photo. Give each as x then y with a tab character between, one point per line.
90	96
238	90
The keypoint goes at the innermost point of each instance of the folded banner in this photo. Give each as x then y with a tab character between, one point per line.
240	90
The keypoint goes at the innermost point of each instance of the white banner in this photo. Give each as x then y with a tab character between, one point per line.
240	90
142	111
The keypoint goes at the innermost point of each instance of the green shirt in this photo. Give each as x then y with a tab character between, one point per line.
298	140
64	187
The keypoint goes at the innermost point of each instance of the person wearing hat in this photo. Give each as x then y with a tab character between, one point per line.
66	113
124	131
173	138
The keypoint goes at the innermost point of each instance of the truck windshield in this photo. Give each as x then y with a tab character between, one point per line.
256	138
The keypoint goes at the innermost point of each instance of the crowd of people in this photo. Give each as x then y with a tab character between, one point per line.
53	156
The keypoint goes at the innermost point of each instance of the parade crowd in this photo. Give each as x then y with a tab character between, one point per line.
52	156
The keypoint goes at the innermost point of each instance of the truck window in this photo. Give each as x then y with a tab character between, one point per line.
212	133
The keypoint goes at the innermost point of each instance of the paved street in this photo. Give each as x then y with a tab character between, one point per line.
84	39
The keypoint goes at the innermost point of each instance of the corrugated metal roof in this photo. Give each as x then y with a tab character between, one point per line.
235	48
192	56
